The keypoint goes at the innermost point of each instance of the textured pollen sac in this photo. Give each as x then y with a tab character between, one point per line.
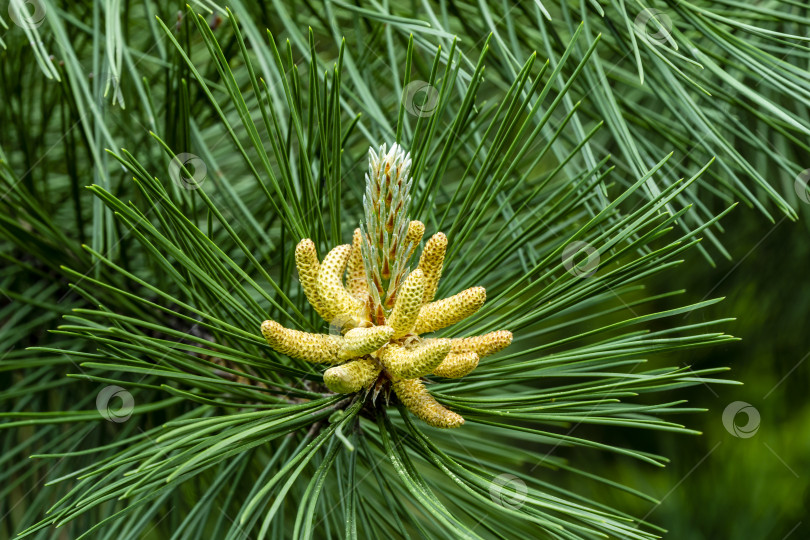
431	263
416	229
360	341
413	363
413	394
456	365
355	273
483	345
408	304
331	292
316	348
352	376
306	260
437	315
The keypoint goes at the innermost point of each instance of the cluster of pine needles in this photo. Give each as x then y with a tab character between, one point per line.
190	347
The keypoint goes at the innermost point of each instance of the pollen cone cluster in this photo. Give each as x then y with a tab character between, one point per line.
377	312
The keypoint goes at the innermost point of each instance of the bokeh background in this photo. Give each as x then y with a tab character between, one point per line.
722	485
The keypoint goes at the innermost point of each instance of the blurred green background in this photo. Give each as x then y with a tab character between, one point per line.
719	485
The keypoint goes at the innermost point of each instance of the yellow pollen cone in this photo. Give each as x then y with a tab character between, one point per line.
483	345
355	273
442	313
381	309
456	365
352	376
360	341
331	292
431	263
413	394
412	363
316	348
407	305
416	229
306	260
